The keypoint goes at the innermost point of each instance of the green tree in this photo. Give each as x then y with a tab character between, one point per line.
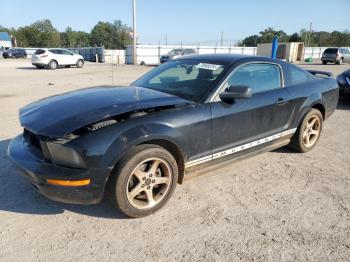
39	34
268	34
252	40
111	35
70	38
294	38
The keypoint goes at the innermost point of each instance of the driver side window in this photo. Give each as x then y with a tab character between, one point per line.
259	77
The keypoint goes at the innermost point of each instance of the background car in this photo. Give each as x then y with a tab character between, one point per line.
336	55
55	57
175	53
15	53
344	84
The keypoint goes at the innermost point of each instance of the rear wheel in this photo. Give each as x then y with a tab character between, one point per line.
53	64
80	63
308	132
144	181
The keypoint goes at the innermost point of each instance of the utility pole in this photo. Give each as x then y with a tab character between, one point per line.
166	39
134	60
308	44
222	39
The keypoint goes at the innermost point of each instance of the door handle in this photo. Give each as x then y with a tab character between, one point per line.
280	101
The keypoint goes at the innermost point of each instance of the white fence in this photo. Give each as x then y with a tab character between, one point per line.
314	52
150	54
115	56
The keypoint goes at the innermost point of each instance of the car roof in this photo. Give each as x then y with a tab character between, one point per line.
227	58
57	49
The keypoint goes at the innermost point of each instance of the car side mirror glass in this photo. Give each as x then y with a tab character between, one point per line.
235	92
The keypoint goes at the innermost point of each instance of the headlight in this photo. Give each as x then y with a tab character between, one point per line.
65	156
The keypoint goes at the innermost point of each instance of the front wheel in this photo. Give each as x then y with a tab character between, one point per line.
308	132
144	181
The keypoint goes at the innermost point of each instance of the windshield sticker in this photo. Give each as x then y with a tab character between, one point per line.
212	67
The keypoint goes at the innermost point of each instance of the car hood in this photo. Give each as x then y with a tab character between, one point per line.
60	115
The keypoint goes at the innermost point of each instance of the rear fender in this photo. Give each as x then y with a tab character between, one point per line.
313	100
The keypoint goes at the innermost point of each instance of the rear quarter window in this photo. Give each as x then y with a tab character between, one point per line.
39	52
298	75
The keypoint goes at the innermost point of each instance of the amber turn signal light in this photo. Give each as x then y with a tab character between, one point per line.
84	182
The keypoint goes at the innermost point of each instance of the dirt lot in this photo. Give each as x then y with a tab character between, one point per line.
278	206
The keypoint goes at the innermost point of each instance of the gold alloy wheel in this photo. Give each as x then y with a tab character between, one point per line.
311	131
149	183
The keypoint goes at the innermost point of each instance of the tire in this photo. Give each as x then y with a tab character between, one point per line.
324	62
13	57
148	170
53	65
143	63
24	56
341	61
308	132
80	63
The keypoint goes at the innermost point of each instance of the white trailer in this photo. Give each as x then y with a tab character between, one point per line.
291	52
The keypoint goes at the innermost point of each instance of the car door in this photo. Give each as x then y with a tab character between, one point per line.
69	57
246	120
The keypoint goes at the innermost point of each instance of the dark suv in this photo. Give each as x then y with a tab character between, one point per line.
15	53
336	55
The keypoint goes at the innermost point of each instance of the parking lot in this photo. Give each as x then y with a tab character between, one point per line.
278	206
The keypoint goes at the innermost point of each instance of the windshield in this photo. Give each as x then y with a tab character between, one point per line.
175	52
188	79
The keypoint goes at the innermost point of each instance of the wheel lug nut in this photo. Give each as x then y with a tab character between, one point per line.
142	185
153	181
144	178
150	175
148	187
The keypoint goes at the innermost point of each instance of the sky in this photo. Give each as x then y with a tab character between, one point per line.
186	21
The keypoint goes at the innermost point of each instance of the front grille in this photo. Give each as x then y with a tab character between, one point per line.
32	139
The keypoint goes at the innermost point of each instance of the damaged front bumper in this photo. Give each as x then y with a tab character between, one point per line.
38	171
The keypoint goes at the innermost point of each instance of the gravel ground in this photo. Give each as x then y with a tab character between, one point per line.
278	206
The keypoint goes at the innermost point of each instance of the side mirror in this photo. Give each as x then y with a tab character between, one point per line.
235	92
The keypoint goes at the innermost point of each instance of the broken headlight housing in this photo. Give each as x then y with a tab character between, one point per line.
63	155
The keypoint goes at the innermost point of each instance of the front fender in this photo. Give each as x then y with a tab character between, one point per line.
138	135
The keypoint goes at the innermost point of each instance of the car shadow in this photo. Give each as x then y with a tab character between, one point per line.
18	196
28	68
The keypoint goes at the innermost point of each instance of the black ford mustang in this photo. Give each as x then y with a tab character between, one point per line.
136	143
